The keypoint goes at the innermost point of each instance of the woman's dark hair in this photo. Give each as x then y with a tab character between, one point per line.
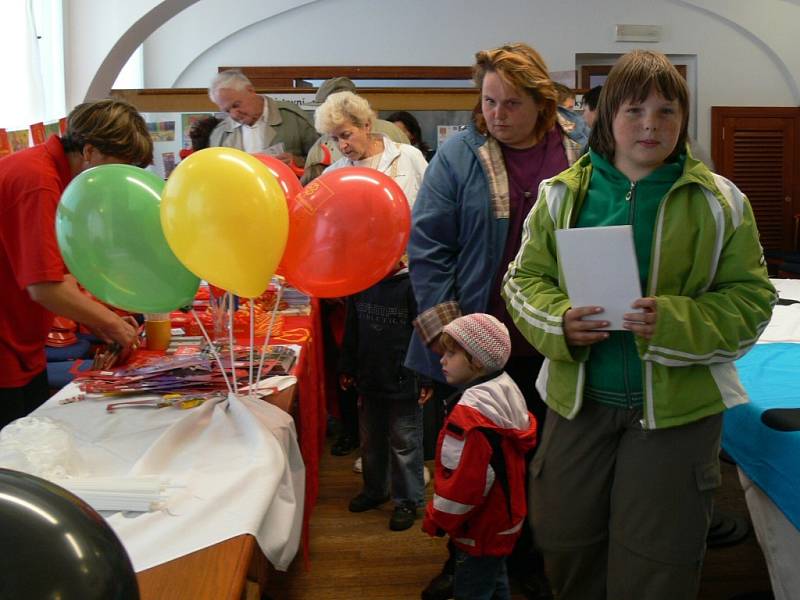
592	97
412	125
200	132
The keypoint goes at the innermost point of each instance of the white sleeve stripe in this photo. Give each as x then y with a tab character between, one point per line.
514	529
677	358
451	507
489	480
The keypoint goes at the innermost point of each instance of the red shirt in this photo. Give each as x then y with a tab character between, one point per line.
31	183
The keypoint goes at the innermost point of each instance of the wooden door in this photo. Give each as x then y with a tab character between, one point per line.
757	148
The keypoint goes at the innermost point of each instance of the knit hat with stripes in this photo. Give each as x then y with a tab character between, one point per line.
484	337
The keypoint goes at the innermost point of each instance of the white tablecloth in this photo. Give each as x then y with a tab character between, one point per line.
238	459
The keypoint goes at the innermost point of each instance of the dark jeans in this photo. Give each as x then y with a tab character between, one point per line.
391	449
346	400
480	577
20	401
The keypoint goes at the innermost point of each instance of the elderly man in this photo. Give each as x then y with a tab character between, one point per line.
257	123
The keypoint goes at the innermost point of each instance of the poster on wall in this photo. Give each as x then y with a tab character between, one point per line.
445	131
161	131
187	120
5	145
52	129
38	134
166	141
19	139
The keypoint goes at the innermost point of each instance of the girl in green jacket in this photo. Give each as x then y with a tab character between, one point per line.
621	486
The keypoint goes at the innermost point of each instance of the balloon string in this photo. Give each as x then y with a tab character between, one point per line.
213	350
231	341
269	329
252	343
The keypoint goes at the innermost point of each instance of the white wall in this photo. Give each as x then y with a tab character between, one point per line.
747	52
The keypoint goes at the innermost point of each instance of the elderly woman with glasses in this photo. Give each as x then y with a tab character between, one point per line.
349	120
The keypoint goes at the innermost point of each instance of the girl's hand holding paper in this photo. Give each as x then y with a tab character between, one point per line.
642	323
580	331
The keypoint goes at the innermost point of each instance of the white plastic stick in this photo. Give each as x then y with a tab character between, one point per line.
213	350
269	329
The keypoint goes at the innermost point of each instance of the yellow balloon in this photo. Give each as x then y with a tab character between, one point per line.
224	216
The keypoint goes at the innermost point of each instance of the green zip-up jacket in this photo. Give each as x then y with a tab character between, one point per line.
706	272
614	375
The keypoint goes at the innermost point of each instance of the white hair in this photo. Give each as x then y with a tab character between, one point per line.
232	79
341	107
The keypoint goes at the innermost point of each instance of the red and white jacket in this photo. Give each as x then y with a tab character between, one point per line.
469	502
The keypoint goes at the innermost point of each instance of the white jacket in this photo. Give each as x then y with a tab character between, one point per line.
402	162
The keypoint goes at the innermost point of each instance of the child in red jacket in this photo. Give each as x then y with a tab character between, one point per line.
479	489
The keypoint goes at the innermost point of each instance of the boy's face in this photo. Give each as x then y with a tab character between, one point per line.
456	367
645	134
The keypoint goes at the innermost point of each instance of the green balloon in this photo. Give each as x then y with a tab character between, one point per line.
108	227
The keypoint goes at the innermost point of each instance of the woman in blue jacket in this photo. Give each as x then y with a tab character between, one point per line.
477	192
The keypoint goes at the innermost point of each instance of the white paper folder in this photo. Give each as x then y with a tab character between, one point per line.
600	269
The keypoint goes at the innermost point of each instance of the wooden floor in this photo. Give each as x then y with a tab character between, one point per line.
356	556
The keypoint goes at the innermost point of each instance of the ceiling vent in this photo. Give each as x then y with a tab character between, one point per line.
638	33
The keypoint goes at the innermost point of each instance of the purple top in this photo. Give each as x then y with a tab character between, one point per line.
526	170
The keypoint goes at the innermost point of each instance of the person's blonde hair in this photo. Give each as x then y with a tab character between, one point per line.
521	66
632	78
114	127
341	107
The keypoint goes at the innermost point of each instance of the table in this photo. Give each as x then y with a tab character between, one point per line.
223	571
766	458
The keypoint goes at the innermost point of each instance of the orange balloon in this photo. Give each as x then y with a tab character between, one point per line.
347	229
287	179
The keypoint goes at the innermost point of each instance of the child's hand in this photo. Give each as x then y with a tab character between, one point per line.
582	333
643	323
346	381
425	393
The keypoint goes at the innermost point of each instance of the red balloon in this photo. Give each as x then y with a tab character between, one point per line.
347	230
287	179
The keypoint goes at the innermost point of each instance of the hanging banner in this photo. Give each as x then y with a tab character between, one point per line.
19	139
51	129
5	145
37	133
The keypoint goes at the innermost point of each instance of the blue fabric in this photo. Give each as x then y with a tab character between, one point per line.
771	375
79	349
480	577
391	449
58	373
456	243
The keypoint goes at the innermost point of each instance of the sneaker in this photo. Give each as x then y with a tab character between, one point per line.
363	502
426	475
344	445
439	588
403	516
358	466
